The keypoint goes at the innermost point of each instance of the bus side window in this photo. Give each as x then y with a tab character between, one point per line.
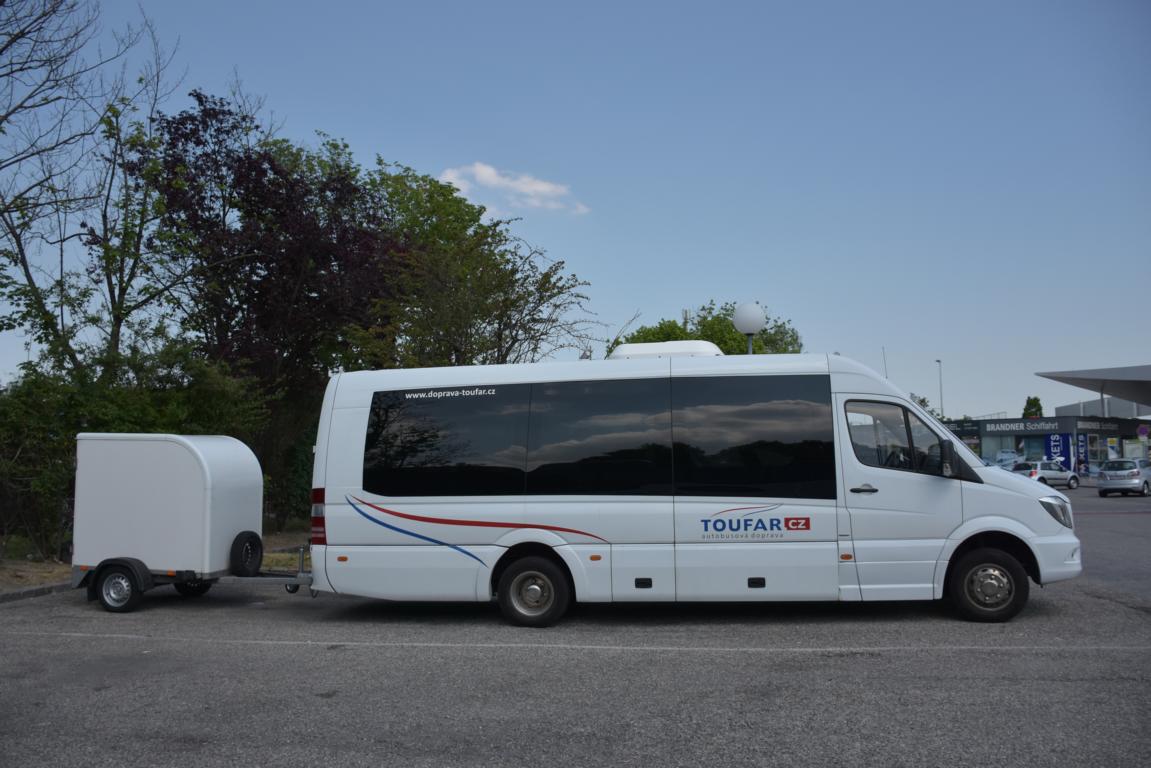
926	457
879	434
455	441
600	437
890	436
754	436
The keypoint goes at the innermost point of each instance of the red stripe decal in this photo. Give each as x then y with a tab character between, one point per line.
765	507
479	523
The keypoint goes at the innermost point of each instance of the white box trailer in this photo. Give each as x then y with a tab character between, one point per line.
157	509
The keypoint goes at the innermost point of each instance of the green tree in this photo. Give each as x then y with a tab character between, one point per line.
714	323
41	413
300	262
53	91
277	252
1032	409
226	274
101	304
925	404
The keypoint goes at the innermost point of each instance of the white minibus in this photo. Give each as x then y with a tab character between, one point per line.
667	472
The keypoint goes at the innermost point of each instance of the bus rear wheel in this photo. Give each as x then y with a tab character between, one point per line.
533	592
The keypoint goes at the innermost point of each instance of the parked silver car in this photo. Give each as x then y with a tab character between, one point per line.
1125	476
1047	472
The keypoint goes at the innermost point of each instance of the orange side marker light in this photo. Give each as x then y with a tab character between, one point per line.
342	558
846	556
596	558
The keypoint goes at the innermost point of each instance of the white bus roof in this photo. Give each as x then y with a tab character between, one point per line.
355	389
665	349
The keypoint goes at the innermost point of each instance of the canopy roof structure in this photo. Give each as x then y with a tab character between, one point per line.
1130	383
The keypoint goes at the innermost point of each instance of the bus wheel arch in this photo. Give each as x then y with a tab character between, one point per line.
1009	543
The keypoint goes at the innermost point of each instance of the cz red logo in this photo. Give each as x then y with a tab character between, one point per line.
797	523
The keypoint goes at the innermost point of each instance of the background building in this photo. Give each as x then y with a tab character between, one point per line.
1067	439
1094	430
1111	406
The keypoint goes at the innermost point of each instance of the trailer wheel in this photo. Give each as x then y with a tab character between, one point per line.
533	592
117	589
194	588
988	585
247	554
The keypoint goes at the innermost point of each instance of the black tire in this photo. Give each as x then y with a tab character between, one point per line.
1072	483
1103	494
533	592
291	589
247	554
117	589
195	588
1043	480
988	585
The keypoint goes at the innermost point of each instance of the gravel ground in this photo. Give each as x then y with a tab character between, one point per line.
257	676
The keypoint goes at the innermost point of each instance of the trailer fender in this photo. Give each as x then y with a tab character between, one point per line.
140	572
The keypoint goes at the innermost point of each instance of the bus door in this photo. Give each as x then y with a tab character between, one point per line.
901	507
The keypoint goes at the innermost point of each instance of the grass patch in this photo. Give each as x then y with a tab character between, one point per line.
16	575
285	561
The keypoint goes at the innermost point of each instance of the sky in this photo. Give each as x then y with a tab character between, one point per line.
905	182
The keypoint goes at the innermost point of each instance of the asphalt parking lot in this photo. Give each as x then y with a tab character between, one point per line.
250	676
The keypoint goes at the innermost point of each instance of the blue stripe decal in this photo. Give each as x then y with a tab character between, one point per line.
414	535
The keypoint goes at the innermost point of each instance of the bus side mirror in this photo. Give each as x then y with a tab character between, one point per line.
947	459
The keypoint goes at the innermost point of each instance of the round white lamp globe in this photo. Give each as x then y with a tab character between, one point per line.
749	318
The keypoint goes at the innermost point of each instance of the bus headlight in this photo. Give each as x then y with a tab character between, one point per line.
1059	509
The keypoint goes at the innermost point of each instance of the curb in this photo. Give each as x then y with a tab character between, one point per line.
24	594
64	586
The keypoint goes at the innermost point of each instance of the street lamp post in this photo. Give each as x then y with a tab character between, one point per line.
940	362
749	320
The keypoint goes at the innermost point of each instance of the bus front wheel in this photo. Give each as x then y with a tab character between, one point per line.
988	585
533	592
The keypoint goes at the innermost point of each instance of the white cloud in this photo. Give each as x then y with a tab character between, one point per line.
515	190
456	179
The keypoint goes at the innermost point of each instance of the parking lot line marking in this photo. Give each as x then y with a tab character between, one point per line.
591	647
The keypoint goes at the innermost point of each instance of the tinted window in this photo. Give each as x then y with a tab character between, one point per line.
926	456
466	441
753	436
879	435
600	437
1115	466
888	435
